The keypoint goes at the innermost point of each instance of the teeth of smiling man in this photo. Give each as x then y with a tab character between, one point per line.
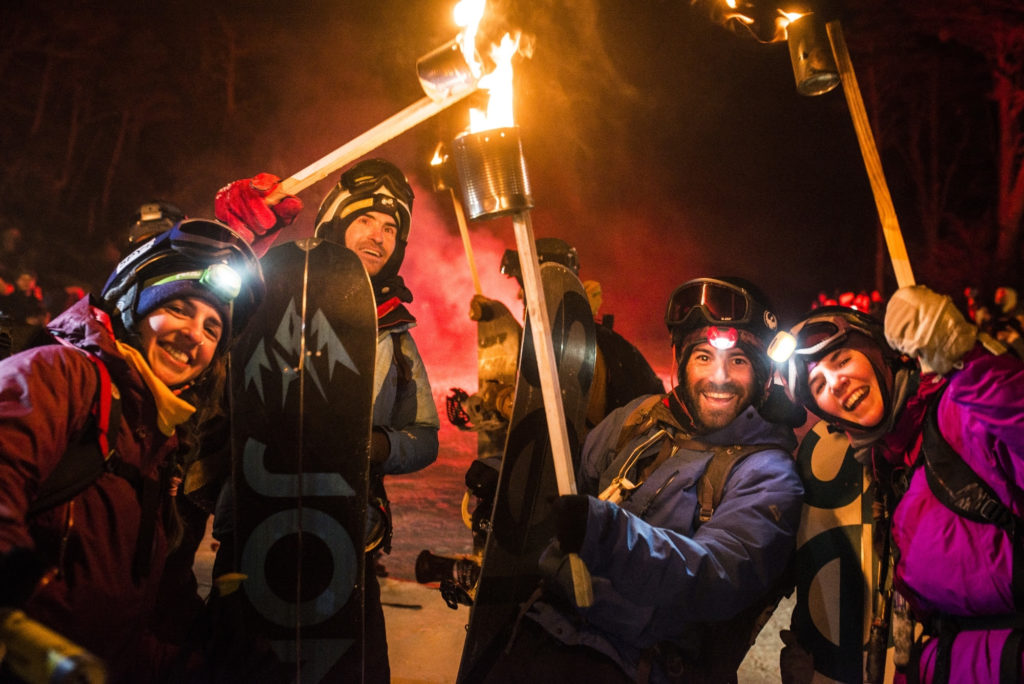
718	395
855	398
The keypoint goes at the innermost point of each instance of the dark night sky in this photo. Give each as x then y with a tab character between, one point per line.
661	145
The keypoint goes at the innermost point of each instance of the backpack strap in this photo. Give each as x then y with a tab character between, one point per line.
712	483
955	483
642	418
960	489
92	453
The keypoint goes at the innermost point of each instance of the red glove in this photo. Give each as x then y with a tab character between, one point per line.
244	207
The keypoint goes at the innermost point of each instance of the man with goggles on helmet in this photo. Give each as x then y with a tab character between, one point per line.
944	437
680	575
124	384
369	211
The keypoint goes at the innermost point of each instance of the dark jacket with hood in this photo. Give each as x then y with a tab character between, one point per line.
87	546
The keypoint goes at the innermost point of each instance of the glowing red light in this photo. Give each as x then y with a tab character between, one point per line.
723	338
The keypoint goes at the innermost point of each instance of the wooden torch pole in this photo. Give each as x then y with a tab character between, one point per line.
460	217
551	390
872	162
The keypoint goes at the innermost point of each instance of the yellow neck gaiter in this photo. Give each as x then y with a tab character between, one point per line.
171	410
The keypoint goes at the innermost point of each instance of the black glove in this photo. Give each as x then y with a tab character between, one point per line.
380	446
777	408
570	513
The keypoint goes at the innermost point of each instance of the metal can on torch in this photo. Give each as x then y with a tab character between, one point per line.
492	173
814	68
444	71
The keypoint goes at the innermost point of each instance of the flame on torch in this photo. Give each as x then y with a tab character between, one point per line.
763	21
468	15
492	173
498	83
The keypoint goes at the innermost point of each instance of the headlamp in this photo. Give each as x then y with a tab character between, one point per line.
809	338
220	279
723	338
782	347
224	281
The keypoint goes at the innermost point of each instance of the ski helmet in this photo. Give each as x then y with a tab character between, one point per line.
724	312
828	328
548	250
195	258
370	185
153	218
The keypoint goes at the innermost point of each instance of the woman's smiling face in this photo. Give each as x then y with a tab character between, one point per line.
180	338
844	385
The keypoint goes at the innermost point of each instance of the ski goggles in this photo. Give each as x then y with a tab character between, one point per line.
810	337
374	173
717	301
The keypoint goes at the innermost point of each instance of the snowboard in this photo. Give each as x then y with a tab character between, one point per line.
301	393
836	567
521	521
498	335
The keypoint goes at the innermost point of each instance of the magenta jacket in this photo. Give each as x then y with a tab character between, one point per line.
46	395
947	564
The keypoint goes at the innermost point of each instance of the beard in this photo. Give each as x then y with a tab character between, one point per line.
708	418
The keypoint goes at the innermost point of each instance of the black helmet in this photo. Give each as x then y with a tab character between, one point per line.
370	185
828	328
196	257
724	312
153	218
548	250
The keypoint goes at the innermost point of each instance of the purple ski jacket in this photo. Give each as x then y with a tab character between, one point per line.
46	395
947	564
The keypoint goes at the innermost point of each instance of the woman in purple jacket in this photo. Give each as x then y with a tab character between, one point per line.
959	556
88	563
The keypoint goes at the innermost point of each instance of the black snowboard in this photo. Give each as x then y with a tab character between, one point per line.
302	385
521	523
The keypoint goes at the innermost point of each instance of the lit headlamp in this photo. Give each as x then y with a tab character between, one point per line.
782	347
723	338
808	338
220	279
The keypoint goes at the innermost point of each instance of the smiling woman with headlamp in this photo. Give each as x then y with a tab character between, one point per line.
129	370
944	437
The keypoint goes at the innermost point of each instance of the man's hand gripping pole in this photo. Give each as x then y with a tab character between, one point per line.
551	391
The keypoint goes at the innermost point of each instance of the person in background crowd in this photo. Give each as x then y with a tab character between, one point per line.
25	304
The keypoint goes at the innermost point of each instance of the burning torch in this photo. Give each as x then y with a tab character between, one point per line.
448	75
440	171
821	61
492	176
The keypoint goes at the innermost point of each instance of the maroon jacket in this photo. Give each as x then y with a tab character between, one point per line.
46	395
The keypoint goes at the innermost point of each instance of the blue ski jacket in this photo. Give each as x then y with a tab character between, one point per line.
404	409
657	573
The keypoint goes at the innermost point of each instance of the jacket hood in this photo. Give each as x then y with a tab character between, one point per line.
86	325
